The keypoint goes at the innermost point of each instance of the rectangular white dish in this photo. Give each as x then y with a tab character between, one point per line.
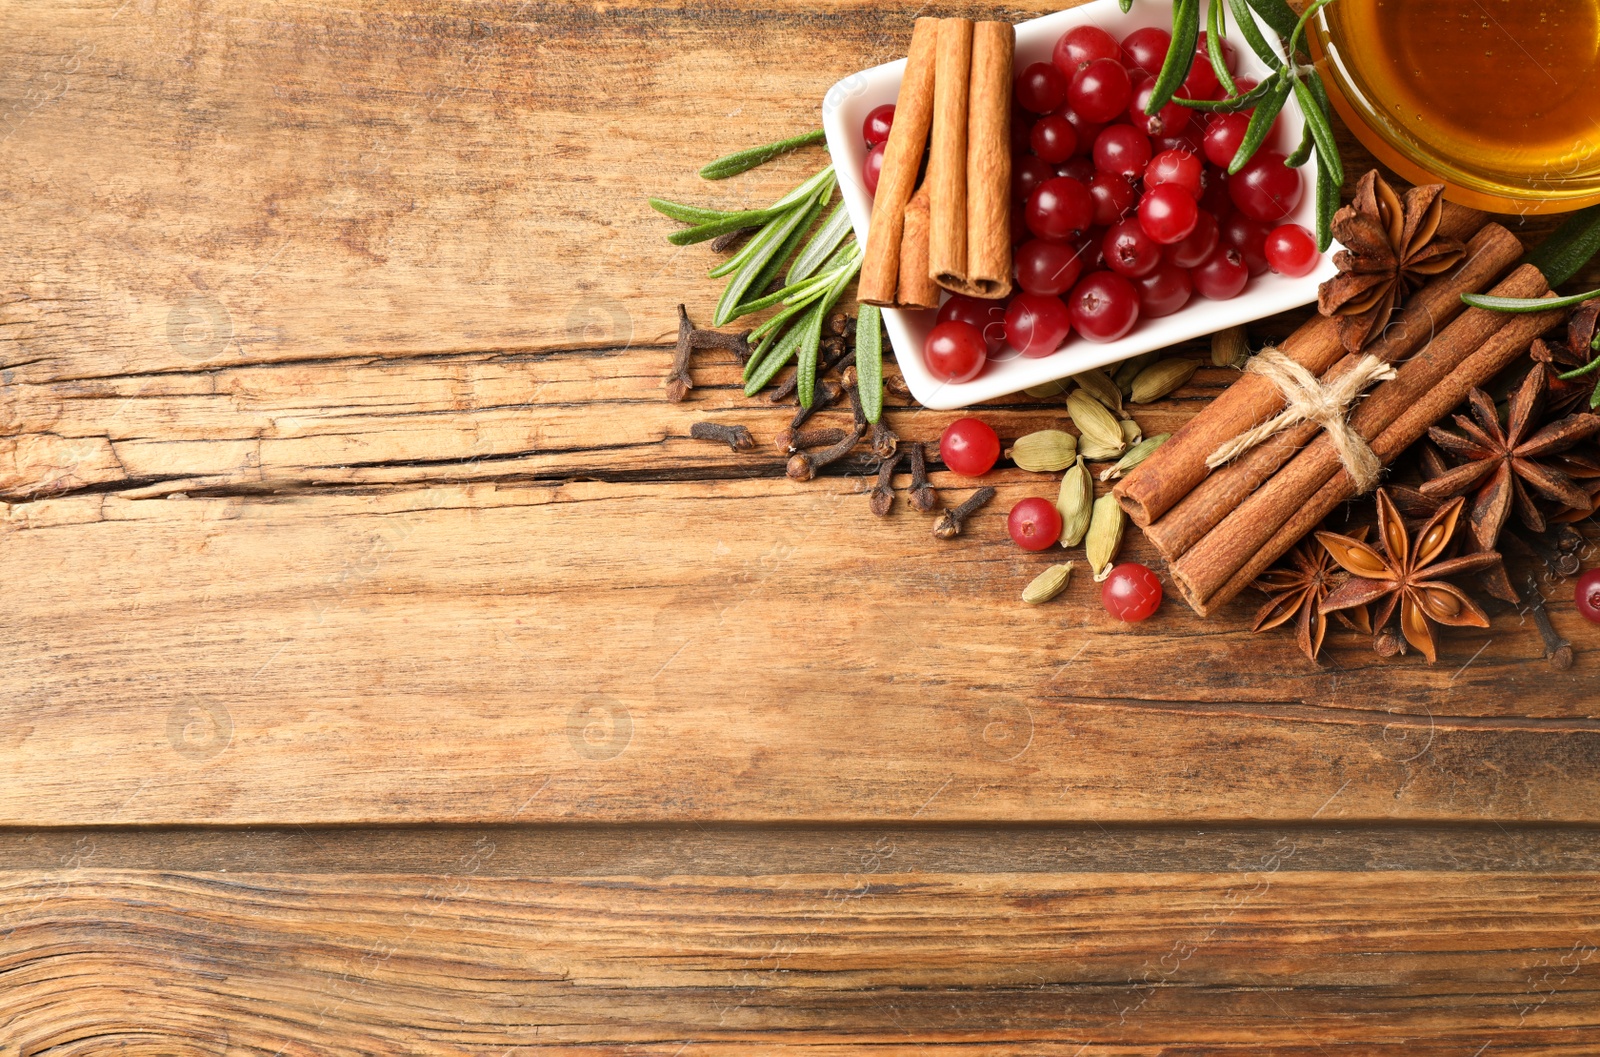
844	109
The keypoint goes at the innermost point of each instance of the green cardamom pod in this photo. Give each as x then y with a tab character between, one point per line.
1131	433
1131	368
1136	454
1046	451
1047	584
1161	378
1230	348
1075	504
1102	436
1047	389
1101	387
1106	526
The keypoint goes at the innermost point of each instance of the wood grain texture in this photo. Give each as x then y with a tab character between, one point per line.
340	490
1267	960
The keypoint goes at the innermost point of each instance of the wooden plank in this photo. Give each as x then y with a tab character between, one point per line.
1268	960
549	652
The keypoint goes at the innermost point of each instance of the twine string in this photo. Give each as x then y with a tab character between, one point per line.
1306	399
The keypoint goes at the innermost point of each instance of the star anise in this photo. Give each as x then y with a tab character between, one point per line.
1408	575
1295	592
1557	359
1391	246
1505	463
1583	466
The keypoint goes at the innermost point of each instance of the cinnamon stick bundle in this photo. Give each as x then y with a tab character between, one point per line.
1179	466
902	160
1394	416
1489	254
987	269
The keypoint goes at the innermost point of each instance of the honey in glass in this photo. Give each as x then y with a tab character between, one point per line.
1498	99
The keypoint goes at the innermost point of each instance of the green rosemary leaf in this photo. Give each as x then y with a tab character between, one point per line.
1235	103
1260	127
822	244
1588	368
687	214
1276	14
731	222
1594	401
769	240
1300	26
1317	124
1328	192
869	360
789	294
807	189
1126	5
782	352
740	161
1252	34
1180	56
1526	304
1302	150
797	235
1216	31
1569	247
810	342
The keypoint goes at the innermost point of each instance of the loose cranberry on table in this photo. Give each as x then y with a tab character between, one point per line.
1059	208
1040	88
969	447
955	352
1053	139
1146	49
875	129
1131	593
1101	90
1168	214
1081	45
1104	306
1193	249
1129	251
1163	291
1122	150
1266	189
1223	275
1047	268
1034	524
1037	324
1114	198
1588	595
872	168
988	316
1180	168
1292	250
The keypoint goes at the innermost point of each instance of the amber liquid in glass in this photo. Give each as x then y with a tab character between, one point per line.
1509	88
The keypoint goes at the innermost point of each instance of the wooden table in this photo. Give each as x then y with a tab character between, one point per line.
386	672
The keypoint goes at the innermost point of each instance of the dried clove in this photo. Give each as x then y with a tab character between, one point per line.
736	437
949	524
842	325
728	240
787	388
854	390
792	440
882	494
1557	650
923	497
738	344
826	395
896	385
678	382
803	466
884	441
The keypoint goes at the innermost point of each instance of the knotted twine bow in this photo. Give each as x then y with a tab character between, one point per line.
1308	400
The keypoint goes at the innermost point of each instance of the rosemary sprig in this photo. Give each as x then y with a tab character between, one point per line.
869	360
1527	304
741	161
822	244
1289	77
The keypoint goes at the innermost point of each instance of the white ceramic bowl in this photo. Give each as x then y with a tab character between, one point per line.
844	109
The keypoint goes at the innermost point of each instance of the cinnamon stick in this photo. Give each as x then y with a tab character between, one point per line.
1179	465
1245	543
947	152
917	289
1489	253
987	270
902	160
